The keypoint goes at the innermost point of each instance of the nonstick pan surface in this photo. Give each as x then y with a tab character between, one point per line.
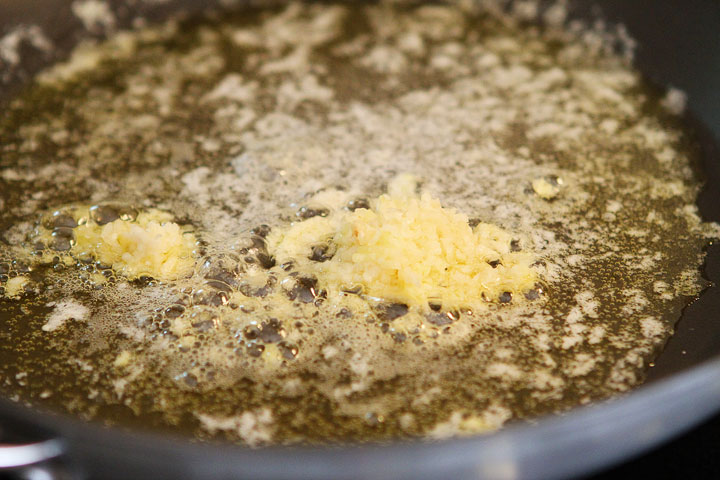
678	45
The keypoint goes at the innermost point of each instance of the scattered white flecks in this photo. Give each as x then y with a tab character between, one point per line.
359	364
341	393
449	428
556	13
11	175
84	58
597	333
576	328
95	15
412	44
194	181
636	301
607	87
663	290
210	145
295	61
234	88
84	365
542	342
582	365
64	311
654	137
385	59
444	63
504	370
133	333
613	206
293	387
637	232
123	359
609	126
667	155
244	117
129	375
652	327
329	352
427	396
87	56
574	260
254	428
544	380
648	262
308	89
513	77
145	122
11	43
463	423
574	315
526	10
407	421
214	424
587	302
119	386
674	101
505	354
570	341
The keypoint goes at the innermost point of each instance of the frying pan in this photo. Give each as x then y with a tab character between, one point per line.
678	44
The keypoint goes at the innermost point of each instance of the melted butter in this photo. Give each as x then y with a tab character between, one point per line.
241	127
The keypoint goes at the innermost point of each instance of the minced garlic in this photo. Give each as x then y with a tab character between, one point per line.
408	248
151	245
123	359
545	189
